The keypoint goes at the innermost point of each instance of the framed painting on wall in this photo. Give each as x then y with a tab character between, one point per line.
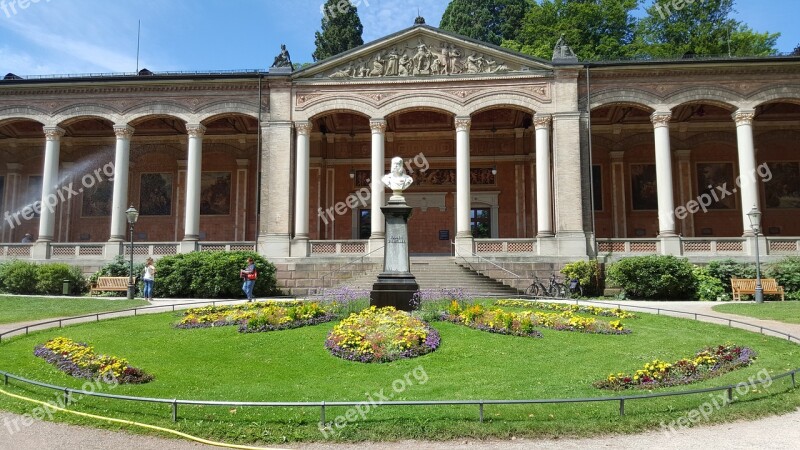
97	200
155	194
715	180
644	192
783	190
215	193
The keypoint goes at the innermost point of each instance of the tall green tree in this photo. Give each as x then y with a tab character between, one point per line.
700	28
341	29
595	29
491	21
796	51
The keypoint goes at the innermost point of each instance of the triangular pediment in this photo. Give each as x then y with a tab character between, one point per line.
422	52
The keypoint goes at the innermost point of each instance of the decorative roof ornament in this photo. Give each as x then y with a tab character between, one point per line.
419	20
562	52
283	62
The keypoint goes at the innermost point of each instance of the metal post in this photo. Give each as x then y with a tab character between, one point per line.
175	410
622	407
131	286
759	288
480	412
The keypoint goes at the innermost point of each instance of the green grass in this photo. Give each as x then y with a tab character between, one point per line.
788	312
22	309
293	365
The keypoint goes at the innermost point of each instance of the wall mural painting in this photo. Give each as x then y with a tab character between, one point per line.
714	179
644	193
437	177
215	193
155	194
98	199
783	190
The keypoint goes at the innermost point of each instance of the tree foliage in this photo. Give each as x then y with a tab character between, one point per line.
699	28
341	29
491	21
595	29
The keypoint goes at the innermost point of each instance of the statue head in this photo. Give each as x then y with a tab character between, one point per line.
397	166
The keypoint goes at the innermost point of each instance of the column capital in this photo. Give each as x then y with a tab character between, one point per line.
542	121
463	123
303	127
54	133
195	130
377	126
661	119
123	131
744	117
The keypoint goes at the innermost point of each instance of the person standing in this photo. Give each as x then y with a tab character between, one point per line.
249	275
149	278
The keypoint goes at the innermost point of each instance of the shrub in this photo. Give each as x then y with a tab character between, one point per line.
119	267
654	277
211	275
709	288
587	272
50	278
787	273
724	270
18	277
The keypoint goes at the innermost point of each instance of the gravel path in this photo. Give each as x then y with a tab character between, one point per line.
779	432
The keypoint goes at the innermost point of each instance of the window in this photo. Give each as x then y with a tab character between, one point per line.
481	222
364	224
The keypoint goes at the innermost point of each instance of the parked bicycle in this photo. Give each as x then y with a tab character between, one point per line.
554	289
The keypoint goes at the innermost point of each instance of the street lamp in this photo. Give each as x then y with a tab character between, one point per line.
755	222
132	215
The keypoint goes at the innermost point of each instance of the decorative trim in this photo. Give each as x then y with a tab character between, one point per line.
378	126
54	133
463	123
303	128
660	119
123	131
195	130
744	117
542	121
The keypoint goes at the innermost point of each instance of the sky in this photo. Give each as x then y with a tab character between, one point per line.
43	37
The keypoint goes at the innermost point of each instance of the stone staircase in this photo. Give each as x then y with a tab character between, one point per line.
430	272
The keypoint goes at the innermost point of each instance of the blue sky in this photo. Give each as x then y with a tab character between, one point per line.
91	36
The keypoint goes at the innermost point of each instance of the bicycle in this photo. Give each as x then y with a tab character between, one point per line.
555	288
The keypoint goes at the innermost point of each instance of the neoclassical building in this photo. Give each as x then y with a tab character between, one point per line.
512	156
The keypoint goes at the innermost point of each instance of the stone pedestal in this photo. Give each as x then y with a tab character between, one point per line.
396	285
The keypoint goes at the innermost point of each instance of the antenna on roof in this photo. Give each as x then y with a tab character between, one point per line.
138	37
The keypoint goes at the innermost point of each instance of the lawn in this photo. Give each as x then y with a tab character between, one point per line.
292	365
21	309
788	312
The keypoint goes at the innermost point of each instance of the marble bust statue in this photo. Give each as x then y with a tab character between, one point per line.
396	179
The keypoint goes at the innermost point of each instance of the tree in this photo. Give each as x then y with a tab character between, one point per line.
700	29
341	29
796	51
595	29
491	21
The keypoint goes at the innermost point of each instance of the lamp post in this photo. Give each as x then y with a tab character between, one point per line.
755	222
132	215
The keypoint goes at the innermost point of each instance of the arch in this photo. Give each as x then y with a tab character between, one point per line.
73	119
340	110
425	100
510	99
21	112
215	110
67	113
789	94
720	97
133	121
421	108
632	97
343	103
162	109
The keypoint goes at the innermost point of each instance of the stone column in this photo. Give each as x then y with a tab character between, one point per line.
747	165
301	180
463	229
119	203
378	223
49	198
194	168
568	184
618	199
544	194
666	202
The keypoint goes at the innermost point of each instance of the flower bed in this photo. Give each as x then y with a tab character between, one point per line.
563	307
256	317
522	323
79	360
707	363
381	335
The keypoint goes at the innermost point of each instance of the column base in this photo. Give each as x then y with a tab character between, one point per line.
545	234
116	239
40	249
275	245
464	246
299	248
394	289
572	244
188	245
377	245
113	249
671	245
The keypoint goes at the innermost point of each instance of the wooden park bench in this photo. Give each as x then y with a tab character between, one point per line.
110	284
741	286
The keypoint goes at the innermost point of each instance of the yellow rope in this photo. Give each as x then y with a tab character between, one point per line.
128	422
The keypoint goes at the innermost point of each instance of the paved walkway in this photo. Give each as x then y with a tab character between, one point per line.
779	432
